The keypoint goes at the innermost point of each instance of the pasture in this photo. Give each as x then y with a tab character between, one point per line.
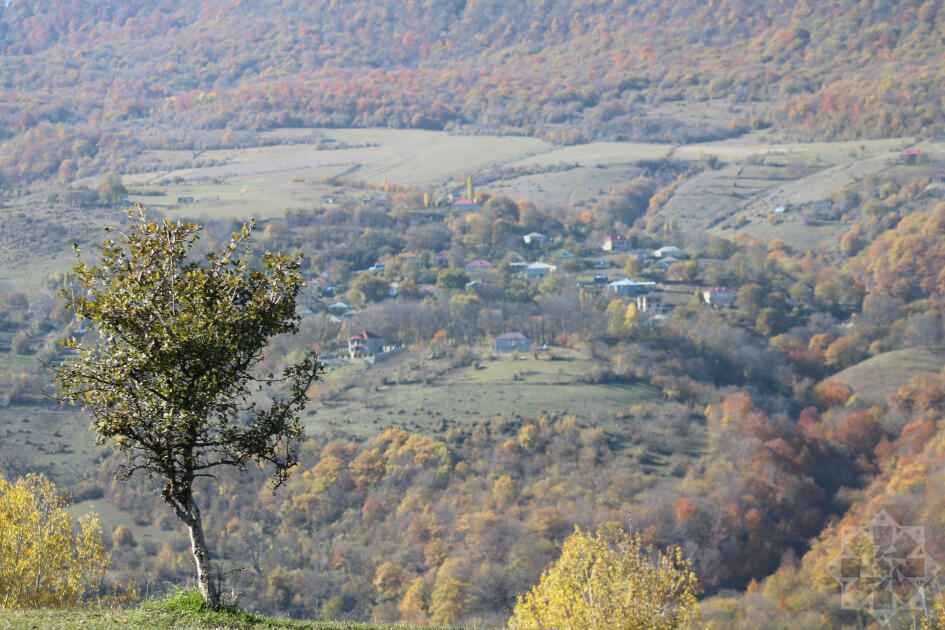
878	377
759	171
506	386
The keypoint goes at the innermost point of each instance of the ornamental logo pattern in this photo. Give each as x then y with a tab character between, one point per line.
882	567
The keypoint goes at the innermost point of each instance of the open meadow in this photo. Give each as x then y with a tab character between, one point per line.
878	377
756	173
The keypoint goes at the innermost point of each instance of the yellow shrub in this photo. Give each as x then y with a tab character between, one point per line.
606	581
48	560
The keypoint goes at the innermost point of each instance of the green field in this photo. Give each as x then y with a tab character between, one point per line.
181	611
876	378
54	440
498	388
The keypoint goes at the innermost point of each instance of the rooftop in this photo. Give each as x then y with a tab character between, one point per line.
364	335
512	335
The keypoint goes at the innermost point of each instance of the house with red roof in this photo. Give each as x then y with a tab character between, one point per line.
365	343
512	342
478	266
719	296
465	204
911	156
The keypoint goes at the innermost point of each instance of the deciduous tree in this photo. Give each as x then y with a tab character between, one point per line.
172	378
47	558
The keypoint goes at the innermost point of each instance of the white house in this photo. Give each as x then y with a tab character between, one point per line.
614	243
719	296
538	270
536	238
650	303
512	342
630	288
365	343
669	251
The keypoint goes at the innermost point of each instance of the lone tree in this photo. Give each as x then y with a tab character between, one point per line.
173	379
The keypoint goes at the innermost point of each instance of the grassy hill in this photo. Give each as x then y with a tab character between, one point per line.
876	378
183	611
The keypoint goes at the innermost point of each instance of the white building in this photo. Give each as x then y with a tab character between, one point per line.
630	288
719	296
536	238
650	303
614	243
669	251
538	270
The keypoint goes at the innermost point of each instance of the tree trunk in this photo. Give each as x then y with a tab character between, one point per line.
198	545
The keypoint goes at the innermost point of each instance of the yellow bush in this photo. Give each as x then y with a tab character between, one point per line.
606	581
48	559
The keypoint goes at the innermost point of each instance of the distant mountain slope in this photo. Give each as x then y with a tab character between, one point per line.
878	377
565	70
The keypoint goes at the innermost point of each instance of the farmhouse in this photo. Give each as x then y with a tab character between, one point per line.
719	296
364	344
650	303
630	288
669	250
615	243
465	204
512	342
478	266
536	238
911	156
538	270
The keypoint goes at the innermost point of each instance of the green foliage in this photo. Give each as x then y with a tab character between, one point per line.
183	609
173	379
452	278
112	189
371	288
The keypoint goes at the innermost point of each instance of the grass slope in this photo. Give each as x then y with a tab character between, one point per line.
183	610
465	395
265	181
876	378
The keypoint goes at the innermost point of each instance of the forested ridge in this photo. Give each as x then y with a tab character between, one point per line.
75	75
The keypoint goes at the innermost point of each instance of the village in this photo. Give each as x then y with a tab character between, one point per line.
615	269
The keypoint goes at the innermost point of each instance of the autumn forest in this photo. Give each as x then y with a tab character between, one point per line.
664	280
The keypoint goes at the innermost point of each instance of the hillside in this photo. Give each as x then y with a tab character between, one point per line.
89	85
435	486
878	377
181	611
735	332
